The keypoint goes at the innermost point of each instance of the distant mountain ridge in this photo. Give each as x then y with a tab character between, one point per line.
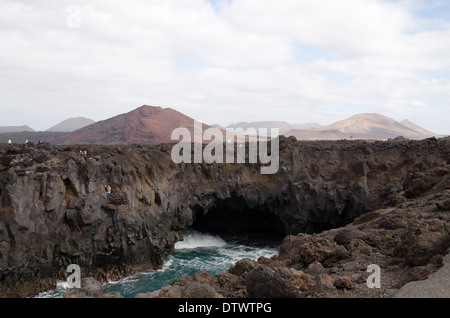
283	126
415	127
71	124
364	126
153	124
9	129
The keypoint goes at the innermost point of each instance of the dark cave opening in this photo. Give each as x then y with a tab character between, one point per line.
234	220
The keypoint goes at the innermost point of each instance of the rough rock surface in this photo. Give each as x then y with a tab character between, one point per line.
408	242
54	212
90	288
437	285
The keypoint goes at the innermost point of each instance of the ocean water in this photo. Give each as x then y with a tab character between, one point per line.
197	251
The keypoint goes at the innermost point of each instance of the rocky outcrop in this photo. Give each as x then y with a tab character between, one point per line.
89	288
54	211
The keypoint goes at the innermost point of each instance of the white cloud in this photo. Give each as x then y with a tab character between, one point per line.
224	61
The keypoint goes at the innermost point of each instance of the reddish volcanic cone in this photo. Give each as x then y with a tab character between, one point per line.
146	124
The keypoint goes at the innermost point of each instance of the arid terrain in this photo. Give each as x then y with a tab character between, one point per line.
363	126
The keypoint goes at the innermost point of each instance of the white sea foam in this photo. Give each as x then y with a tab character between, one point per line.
58	292
63	285
194	239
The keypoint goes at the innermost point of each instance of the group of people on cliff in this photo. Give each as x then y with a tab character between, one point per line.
83	153
25	142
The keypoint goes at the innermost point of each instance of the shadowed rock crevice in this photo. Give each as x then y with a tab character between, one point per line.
233	216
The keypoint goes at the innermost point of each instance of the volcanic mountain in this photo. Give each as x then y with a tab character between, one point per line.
146	124
72	124
8	129
281	125
363	126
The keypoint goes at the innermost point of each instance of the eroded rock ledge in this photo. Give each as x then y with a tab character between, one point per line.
54	212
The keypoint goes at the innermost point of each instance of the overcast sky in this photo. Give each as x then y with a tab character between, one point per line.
224	61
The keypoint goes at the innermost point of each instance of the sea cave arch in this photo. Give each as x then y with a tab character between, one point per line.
237	216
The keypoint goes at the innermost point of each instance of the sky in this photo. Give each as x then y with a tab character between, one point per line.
225	61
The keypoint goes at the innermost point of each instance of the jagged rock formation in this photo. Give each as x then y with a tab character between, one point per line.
54	212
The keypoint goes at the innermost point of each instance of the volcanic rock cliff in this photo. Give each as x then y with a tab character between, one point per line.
54	210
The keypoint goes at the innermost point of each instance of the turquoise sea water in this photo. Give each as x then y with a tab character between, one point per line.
196	252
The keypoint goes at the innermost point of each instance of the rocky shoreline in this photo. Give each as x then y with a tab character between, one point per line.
408	242
342	206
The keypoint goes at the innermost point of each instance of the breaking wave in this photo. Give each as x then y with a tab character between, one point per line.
193	239
197	251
